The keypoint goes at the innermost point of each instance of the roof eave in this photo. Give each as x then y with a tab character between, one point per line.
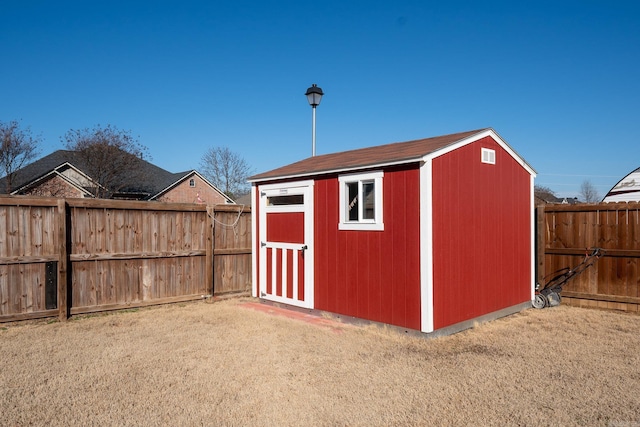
337	170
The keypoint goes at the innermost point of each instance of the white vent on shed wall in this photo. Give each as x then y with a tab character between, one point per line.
488	156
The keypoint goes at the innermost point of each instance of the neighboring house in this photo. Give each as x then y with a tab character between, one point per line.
626	190
244	200
429	235
191	187
568	201
550	199
63	174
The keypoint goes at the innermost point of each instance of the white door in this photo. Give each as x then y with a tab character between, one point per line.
286	243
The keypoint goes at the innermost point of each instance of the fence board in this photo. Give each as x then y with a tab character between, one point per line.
13	237
28	241
232	249
116	254
170	245
565	232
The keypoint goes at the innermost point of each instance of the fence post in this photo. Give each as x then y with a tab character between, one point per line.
61	220
210	247
540	242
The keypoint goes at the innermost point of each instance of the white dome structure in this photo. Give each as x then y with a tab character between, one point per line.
626	190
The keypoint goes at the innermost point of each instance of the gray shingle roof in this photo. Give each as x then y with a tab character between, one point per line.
155	178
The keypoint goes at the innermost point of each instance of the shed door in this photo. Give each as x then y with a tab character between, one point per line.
286	243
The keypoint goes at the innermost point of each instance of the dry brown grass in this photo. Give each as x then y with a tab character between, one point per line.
223	364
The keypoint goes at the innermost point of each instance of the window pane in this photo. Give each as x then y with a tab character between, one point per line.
368	195
296	199
352	201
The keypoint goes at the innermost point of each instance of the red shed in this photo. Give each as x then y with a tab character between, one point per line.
430	235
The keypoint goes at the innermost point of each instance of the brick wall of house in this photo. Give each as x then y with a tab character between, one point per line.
200	193
53	187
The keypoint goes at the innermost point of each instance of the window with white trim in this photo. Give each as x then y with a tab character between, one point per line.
489	156
192	182
361	201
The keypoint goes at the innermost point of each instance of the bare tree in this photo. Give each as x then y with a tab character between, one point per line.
544	193
588	192
19	147
226	170
111	157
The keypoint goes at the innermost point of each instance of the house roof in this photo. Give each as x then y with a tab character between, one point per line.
58	171
156	180
550	199
381	155
244	200
39	169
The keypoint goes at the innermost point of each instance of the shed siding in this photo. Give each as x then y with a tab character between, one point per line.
481	233
285	227
372	275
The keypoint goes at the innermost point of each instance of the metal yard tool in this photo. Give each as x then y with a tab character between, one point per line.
548	294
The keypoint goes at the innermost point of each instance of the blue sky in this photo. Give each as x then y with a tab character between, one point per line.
558	80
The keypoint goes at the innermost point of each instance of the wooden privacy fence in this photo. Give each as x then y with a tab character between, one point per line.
69	256
232	249
566	232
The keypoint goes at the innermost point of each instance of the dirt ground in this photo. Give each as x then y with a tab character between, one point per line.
227	364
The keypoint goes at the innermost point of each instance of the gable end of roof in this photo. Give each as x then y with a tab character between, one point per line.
181	177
